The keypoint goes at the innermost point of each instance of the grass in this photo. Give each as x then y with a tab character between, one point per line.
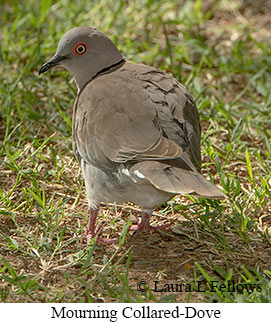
219	49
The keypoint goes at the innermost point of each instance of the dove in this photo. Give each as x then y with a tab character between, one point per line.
135	129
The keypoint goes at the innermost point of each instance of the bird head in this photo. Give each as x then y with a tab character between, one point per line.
84	52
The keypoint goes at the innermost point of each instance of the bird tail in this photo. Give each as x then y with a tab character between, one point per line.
176	180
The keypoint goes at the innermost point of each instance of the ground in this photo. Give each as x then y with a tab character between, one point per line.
220	50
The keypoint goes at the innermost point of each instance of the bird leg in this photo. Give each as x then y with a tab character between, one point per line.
144	224
93	212
92	230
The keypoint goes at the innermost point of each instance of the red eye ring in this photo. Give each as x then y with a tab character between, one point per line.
79	49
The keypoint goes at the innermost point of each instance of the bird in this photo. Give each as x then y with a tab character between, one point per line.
135	129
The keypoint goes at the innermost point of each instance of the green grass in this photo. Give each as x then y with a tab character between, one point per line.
220	50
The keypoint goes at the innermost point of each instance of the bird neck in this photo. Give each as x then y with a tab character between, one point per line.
108	69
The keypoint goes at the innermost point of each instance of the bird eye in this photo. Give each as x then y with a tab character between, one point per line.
79	49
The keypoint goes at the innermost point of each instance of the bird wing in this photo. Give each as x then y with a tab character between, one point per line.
133	114
144	119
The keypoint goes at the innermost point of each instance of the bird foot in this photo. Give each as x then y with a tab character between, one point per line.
102	241
93	232
144	226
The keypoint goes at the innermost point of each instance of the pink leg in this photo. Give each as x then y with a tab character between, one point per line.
144	224
92	231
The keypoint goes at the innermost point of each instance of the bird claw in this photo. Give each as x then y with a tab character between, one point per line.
93	233
102	241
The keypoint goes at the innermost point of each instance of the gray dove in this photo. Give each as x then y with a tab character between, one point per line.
135	129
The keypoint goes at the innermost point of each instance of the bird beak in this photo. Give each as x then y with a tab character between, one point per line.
54	61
